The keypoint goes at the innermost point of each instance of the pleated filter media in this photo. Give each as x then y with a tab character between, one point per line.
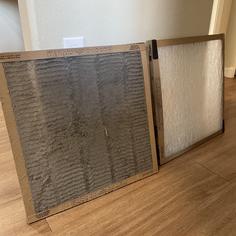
83	124
192	90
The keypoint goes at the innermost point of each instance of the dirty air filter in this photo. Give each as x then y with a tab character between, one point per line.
79	121
188	78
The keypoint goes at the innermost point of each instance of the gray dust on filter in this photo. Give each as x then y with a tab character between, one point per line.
82	123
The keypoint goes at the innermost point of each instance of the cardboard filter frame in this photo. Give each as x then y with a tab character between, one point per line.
14	134
154	45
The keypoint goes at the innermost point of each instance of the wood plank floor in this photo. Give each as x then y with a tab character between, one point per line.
192	195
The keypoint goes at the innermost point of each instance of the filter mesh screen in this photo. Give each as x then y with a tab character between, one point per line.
82	123
191	81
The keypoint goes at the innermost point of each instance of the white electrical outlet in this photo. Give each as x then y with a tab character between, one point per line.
73	42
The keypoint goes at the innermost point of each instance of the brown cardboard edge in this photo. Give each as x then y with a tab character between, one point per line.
32	216
57	53
193	146
15	143
187	40
157	82
148	96
89	197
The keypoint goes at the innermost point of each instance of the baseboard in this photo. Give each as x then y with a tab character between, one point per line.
230	72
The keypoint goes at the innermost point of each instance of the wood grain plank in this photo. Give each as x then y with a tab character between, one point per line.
13	222
144	211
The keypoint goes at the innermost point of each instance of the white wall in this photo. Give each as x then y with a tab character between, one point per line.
103	22
230	61
10	28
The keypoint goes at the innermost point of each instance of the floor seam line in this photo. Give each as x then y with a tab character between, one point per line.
220	176
48	224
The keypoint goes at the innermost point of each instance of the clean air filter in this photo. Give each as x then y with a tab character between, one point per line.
190	80
80	123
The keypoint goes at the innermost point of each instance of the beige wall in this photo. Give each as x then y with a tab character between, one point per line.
231	39
104	22
10	29
225	16
220	16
